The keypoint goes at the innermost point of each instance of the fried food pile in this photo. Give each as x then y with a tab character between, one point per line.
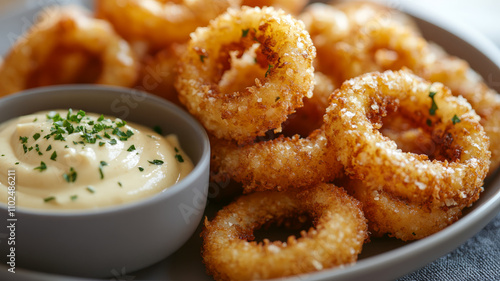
338	114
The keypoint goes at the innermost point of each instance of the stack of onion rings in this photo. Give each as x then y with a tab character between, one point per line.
68	29
337	237
285	53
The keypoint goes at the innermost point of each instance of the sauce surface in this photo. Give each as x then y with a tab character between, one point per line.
67	159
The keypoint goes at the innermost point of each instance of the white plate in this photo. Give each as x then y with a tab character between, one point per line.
382	259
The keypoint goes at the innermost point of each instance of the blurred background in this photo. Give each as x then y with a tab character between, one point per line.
482	15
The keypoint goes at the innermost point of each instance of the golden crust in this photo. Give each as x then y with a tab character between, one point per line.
68	29
285	53
353	120
337	238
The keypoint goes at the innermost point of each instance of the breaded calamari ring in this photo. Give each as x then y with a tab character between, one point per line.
160	22
285	53
337	237
281	163
67	30
462	158
290	6
396	217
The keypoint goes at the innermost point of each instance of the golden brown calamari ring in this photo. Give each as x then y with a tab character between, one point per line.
160	23
285	53
454	177
337	238
69	34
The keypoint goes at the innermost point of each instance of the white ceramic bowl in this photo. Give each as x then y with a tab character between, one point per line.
97	243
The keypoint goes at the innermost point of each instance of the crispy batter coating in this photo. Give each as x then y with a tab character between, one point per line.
65	46
453	178
397	217
285	53
160	23
337	237
281	163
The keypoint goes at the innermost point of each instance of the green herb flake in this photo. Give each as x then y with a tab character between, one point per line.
158	130
131	148
277	99
48	199
113	142
101	143
73	197
53	156
141	169
120	184
244	32
71	176
36	136
49	148
23	139
101	118
434	107
455	119
156	162
42	167
90	189
101	165
202	58
17	163
268	70
179	158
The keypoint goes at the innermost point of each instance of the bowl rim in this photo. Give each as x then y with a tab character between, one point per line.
197	172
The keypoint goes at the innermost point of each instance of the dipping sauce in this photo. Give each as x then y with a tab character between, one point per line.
68	159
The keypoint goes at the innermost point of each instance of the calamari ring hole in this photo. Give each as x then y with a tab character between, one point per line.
66	65
281	229
412	136
244	63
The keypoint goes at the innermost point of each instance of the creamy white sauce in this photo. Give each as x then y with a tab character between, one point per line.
56	169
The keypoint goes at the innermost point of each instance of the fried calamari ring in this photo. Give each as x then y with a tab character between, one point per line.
337	237
461	161
285	53
387	214
290	6
71	33
281	163
160	22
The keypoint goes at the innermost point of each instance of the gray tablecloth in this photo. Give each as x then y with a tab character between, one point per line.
477	259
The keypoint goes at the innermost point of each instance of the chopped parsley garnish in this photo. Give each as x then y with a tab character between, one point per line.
101	165
53	156
434	107
179	158
277	99
141	169
90	189
71	176
120	184
36	136
49	148
101	143
244	32
48	199
131	148
42	167
455	119
112	142
268	70
23	139
158	130
73	197
156	162
202	58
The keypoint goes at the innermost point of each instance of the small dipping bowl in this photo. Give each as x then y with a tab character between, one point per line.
100	242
